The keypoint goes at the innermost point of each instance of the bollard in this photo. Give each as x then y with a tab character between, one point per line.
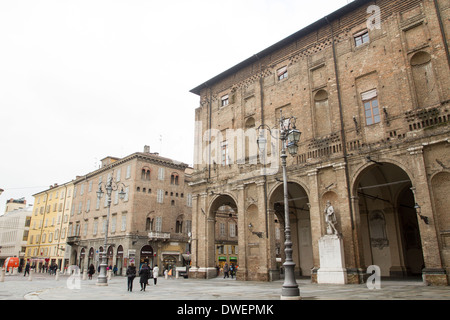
57	275
177	274
85	274
2	275
30	277
166	274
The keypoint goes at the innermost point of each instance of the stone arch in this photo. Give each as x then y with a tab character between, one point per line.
387	222
222	232
357	175
299	215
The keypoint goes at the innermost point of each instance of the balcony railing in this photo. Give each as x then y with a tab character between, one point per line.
156	235
73	240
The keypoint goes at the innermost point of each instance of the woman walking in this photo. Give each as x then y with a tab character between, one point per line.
144	274
91	271
155	274
131	274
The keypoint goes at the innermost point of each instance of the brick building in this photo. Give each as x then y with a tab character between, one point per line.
151	224
369	85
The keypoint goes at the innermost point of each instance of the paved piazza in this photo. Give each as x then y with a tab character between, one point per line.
46	287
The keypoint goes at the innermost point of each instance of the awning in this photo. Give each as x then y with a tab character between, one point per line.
222	258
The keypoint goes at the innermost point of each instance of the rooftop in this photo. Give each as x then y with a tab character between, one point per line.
277	46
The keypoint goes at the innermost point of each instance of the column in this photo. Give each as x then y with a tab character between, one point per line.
434	273
194	237
242	273
347	229
262	226
315	216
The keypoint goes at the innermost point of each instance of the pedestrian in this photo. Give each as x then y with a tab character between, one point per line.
27	269
155	274
144	274
131	274
225	271
91	271
231	271
115	270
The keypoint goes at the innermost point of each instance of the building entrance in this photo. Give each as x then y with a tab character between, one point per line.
389	225
300	227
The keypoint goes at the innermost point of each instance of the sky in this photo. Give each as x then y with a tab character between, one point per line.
81	80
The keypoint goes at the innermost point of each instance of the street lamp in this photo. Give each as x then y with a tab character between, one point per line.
290	137
110	186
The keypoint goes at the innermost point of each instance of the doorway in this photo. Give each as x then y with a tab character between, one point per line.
389	226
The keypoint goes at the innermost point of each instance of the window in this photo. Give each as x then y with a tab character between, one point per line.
113	223
116	197
149	224
85	228
225	100
160	196
161	174
95	228
232	227
174	179
222	229
188	226
128	176
179	226
145	174
224	152
127	194
371	108
158	227
124	222
282	73
361	38
188	199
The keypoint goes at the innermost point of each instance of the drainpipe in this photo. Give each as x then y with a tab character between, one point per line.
441	25
261	91
209	128
341	118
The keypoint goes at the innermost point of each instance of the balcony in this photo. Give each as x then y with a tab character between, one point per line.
156	235
73	240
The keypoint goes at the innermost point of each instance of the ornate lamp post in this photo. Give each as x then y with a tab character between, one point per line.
110	186
290	137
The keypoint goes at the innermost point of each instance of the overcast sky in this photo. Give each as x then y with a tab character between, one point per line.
84	79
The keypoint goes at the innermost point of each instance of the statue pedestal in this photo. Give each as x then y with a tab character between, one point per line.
332	263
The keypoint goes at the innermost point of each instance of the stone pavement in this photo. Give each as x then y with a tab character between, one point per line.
46	287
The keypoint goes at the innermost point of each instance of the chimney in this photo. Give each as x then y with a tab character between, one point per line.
146	149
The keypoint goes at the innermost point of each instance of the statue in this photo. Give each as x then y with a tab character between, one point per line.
330	219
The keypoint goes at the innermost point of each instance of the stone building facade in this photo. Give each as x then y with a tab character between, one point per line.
369	86
151	224
46	244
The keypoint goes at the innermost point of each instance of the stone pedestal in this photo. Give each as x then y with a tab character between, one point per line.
332	263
